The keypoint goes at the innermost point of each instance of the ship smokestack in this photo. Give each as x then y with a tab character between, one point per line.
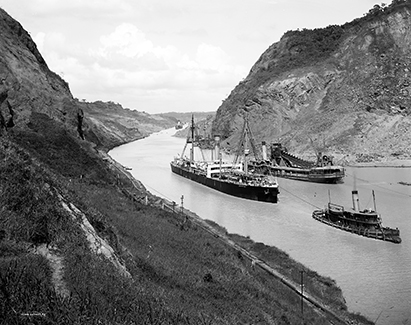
264	150
355	200
217	146
246	153
192	155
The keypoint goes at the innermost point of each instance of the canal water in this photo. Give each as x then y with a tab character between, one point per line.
375	276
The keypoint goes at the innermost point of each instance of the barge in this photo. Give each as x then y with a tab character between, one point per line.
285	165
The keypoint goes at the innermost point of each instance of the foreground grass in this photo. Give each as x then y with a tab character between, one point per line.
180	274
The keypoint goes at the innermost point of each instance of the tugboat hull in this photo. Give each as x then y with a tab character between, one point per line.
381	233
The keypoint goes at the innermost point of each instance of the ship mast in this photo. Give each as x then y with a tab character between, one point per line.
191	136
246	136
192	129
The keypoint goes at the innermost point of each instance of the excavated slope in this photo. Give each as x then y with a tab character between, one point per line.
344	90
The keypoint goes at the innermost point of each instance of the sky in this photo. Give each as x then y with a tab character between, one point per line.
166	55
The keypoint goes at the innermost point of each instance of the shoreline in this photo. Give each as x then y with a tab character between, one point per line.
382	164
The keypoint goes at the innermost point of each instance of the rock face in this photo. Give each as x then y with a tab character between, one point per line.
28	87
26	83
343	89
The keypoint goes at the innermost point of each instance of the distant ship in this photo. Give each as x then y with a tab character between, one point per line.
179	125
366	222
230	178
285	165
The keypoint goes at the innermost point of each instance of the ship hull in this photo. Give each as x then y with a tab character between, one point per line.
337	221
256	193
327	179
320	175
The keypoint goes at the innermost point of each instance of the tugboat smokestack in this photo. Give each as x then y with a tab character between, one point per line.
264	150
355	200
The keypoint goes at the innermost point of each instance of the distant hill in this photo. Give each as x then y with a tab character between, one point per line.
202	120
186	117
108	124
341	89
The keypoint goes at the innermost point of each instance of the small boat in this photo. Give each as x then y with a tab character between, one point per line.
179	125
230	178
285	165
365	222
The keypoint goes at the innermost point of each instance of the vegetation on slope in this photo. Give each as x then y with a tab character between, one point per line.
311	46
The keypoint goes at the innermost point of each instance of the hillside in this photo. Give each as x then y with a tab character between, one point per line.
28	87
82	242
346	88
109	124
186	117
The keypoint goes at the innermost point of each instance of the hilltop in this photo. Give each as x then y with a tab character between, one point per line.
340	89
82	242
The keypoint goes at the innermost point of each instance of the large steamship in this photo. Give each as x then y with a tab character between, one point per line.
232	178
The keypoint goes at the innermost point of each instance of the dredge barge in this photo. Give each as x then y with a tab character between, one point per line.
285	165
366	222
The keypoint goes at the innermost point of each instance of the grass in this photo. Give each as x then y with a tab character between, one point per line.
181	274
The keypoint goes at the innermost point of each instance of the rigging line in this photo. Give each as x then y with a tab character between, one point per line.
376	185
305	201
164	196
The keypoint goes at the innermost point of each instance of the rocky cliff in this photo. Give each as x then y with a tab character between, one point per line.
341	89
29	88
27	85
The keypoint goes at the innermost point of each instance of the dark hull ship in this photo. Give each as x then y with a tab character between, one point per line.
285	165
230	178
179	125
366	222
236	184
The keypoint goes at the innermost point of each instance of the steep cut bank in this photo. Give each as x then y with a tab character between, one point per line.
341	89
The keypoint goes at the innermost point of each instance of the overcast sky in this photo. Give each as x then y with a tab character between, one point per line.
166	55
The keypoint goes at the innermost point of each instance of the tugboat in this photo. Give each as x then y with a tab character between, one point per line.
285	165
230	178
365	222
